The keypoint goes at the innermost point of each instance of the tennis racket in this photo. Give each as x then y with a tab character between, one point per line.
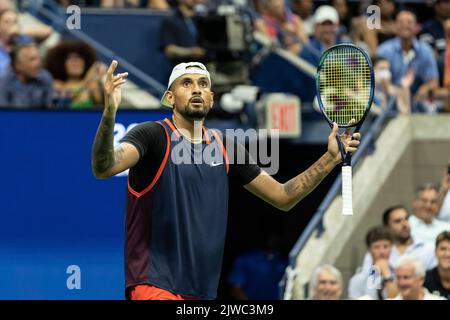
345	87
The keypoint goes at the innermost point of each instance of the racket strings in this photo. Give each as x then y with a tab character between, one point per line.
345	85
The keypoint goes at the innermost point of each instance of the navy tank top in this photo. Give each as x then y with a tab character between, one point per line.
175	227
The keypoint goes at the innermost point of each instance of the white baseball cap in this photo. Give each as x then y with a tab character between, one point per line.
182	69
326	13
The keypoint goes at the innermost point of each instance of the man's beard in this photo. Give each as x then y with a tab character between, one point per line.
403	239
194	114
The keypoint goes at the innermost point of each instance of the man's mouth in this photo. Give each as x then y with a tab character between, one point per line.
196	100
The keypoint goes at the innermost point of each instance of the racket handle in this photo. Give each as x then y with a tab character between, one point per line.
347	197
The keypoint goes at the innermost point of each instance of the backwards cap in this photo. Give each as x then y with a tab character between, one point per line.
182	69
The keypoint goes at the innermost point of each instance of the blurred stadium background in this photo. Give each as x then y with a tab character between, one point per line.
262	58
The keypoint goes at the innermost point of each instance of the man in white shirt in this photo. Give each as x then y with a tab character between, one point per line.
424	224
396	219
410	275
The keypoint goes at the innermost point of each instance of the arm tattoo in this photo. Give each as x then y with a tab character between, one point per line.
118	154
103	156
304	183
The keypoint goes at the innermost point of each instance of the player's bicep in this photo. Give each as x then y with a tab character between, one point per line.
126	155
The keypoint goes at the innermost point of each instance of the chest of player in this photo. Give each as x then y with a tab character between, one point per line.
202	163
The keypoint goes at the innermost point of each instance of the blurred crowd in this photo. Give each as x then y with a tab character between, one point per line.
407	258
409	50
408	254
68	75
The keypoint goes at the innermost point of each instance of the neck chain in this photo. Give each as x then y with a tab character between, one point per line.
195	141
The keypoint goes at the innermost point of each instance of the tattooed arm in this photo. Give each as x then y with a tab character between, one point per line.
107	160
286	196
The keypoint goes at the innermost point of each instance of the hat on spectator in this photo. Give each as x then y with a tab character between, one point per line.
326	13
182	69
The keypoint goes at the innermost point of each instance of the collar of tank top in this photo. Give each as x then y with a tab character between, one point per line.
195	141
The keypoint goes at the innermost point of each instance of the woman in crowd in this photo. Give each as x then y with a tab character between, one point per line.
77	74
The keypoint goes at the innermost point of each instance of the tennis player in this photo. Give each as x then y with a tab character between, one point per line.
176	212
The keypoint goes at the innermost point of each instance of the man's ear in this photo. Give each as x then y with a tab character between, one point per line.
170	97
212	99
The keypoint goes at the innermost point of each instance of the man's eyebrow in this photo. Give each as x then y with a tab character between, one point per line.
189	78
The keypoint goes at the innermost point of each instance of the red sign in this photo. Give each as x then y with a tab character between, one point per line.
283	113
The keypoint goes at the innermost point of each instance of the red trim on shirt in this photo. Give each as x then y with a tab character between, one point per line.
172	127
158	173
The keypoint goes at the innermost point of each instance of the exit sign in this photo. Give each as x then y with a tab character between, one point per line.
282	112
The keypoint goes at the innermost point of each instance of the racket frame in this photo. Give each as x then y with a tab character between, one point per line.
346	157
347	207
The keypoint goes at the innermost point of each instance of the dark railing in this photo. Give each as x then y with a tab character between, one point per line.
57	17
367	146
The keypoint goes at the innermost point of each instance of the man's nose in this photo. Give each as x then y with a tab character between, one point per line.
196	88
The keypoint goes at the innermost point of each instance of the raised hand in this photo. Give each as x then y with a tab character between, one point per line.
113	87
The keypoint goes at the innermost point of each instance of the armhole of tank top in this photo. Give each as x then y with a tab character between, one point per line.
206	136
224	151
160	169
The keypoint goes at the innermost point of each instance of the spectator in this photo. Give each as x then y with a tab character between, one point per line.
387	23
279	23
406	53
368	35
326	24
443	62
326	283
437	280
424	224
255	275
410	275
433	29
11	34
151	4
342	9
81	3
76	73
355	30
384	88
444	197
304	9
178	35
376	281
5	5
37	32
120	3
258	7
396	219
26	84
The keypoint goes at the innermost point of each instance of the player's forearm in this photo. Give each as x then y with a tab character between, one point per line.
103	149
299	187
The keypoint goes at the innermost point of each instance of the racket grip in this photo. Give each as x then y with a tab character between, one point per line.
347	197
